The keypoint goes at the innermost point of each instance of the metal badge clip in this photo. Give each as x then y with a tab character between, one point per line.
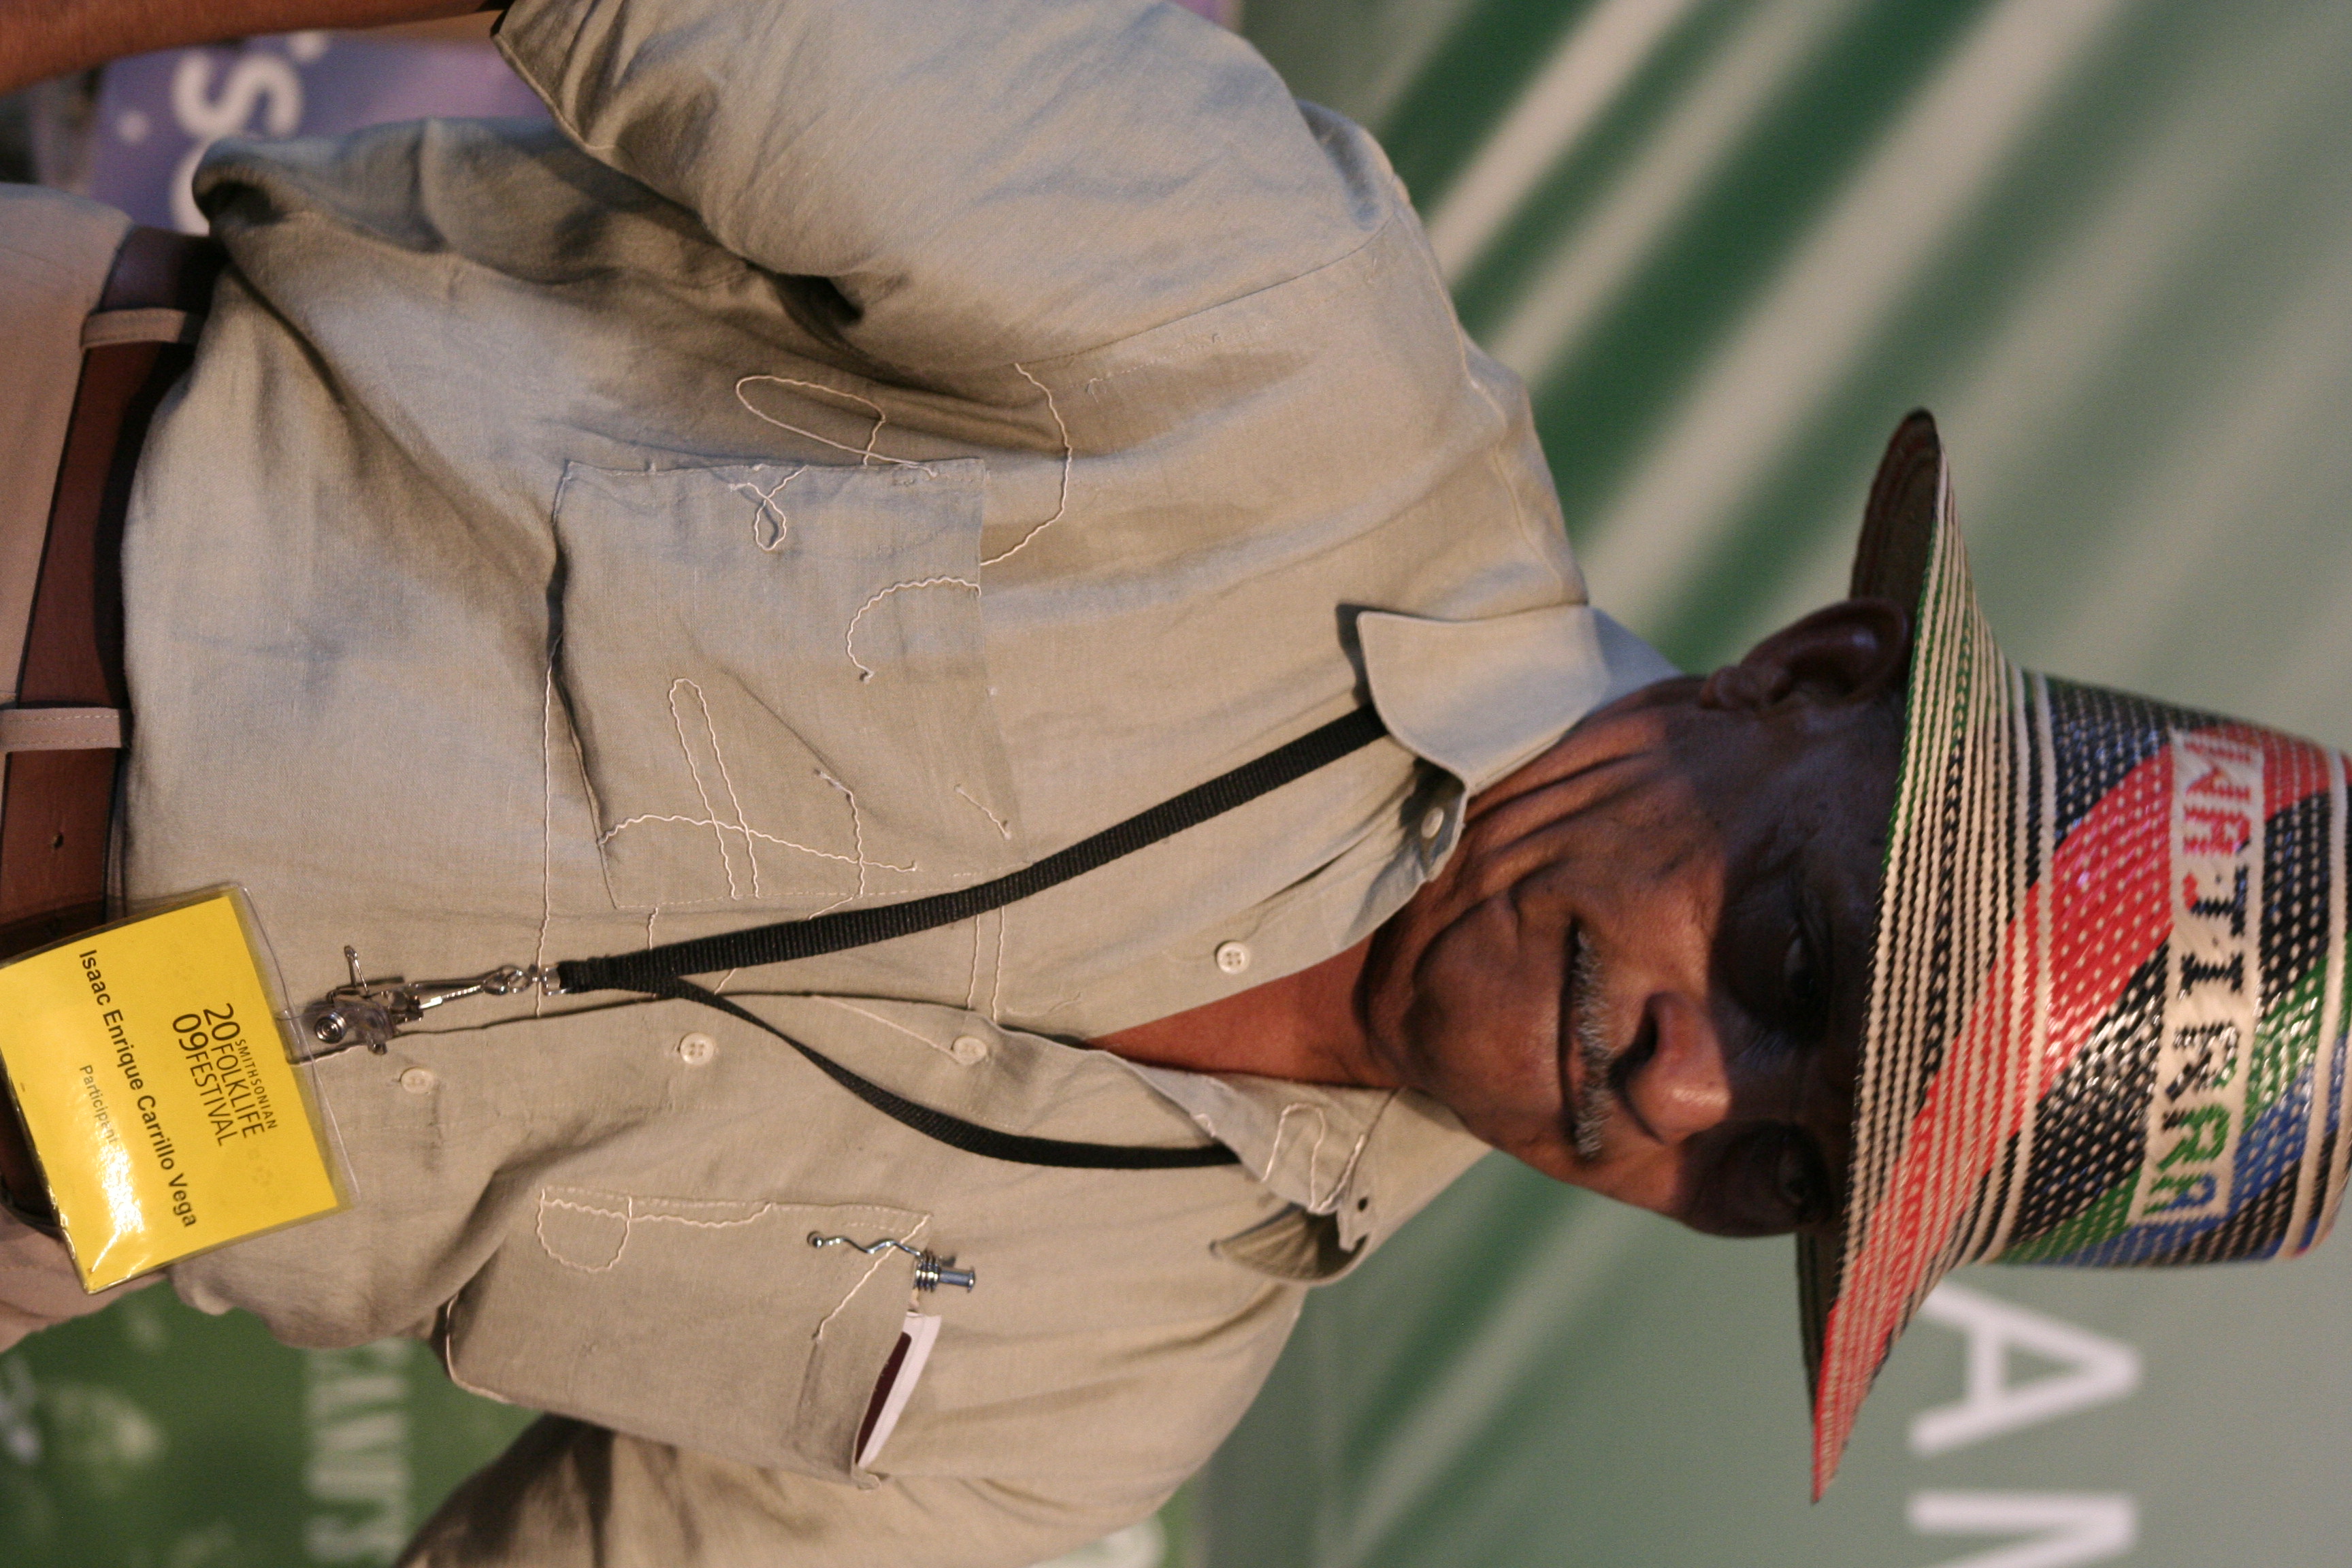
932	1270
372	1012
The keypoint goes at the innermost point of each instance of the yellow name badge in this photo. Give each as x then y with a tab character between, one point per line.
152	1074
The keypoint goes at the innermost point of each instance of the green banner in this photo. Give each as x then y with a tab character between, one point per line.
155	1436
1728	245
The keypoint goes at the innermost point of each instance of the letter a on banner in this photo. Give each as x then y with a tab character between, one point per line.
2095	1371
2068	1529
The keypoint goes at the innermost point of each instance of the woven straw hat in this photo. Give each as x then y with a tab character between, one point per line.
2106	1017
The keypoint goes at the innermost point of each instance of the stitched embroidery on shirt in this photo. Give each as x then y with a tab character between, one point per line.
866	458
1068	454
752	837
588	1231
770	511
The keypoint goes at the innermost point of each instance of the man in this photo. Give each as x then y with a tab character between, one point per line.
874	448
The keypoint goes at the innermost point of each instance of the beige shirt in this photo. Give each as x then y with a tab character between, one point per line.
874	444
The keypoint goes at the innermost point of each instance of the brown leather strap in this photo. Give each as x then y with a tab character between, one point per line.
57	811
58	808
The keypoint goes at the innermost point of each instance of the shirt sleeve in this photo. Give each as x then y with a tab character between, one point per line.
983	181
567	1492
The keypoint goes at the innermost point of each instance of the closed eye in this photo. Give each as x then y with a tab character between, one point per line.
1806	984
1769	1181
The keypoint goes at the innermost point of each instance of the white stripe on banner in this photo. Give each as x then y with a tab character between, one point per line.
1400	1472
1588	72
1806	331
2259	427
1710	124
2062	1530
2015	414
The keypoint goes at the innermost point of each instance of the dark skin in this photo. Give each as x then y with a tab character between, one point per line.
1644	968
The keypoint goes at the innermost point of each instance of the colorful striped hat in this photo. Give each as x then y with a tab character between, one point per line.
2106	1016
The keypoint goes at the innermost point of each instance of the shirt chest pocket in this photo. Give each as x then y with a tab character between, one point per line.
779	681
715	1326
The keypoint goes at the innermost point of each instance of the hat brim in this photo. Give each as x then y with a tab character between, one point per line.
1890	562
1898	525
1944	1080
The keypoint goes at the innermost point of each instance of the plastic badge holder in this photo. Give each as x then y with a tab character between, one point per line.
152	1064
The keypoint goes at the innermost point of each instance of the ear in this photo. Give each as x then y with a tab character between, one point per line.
1853	650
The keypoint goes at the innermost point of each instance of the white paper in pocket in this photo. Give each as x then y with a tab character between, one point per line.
897	1383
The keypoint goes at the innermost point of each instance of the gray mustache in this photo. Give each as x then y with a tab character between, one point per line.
1596	1100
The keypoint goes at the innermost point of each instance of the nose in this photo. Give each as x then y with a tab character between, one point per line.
1683	1088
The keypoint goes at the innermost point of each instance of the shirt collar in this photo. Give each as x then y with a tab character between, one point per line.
1360	1161
1479	698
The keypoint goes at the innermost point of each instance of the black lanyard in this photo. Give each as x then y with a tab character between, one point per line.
370	1012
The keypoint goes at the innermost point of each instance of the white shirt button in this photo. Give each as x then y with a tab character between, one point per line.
969	1048
1233	958
696	1048
1433	822
420	1080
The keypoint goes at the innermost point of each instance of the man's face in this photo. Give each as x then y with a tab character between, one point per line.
1645	969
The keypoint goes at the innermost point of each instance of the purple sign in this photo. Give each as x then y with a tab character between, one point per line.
157	113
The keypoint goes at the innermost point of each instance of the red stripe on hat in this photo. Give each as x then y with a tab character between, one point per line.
2116	857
